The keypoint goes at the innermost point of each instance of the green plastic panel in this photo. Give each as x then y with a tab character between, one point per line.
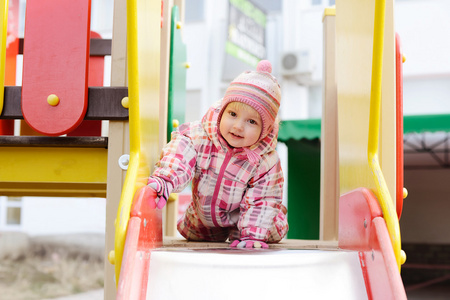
177	75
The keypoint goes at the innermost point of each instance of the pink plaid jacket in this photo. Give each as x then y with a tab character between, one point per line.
236	192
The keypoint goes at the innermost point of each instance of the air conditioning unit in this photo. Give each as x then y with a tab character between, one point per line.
297	63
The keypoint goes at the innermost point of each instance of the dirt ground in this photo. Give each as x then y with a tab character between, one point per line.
51	268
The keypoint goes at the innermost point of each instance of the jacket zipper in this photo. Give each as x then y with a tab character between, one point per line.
228	156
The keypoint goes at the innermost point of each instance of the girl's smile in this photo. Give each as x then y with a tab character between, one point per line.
240	125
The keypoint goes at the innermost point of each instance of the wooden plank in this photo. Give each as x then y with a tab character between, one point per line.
55	62
53	189
118	142
98	47
104	103
175	242
51	141
329	173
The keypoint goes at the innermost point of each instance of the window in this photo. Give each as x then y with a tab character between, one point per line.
10	212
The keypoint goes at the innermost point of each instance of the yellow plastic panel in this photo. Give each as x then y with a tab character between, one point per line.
354	30
355	21
354	46
3	33
60	171
143	42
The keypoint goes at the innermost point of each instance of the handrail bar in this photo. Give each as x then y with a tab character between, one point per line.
384	197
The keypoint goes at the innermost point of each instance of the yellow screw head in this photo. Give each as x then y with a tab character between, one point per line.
187	65
112	257
402	257
179	25
405	193
125	102
53	100
403	58
175	123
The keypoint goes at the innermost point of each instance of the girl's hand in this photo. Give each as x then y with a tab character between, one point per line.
160	202
248	244
162	193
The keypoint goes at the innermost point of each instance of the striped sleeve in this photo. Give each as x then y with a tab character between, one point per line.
178	159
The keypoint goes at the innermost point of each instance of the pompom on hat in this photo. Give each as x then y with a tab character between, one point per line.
258	89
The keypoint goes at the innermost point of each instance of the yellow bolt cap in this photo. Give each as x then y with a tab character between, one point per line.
112	257
175	123
403	58
187	65
402	257
179	25
125	102
405	193
53	100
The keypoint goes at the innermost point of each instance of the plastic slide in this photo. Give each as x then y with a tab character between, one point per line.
363	267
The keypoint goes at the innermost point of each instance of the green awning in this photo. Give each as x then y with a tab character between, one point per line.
310	128
426	123
299	129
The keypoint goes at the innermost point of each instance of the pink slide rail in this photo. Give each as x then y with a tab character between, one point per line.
399	125
144	233
362	228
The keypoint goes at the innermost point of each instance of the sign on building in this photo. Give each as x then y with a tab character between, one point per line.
246	38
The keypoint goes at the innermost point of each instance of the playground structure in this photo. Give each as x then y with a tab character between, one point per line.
358	217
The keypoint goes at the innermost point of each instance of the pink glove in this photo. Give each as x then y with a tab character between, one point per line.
248	244
162	189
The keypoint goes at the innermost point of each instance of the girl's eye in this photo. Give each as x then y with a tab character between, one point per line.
232	113
253	122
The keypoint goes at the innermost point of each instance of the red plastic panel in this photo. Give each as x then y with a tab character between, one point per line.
55	61
379	265
399	117
129	255
362	228
355	217
96	72
144	233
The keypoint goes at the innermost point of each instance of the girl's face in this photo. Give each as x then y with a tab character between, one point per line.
240	125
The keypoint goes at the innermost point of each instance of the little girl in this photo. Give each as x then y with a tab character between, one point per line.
230	157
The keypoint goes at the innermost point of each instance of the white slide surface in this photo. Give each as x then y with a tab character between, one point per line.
221	274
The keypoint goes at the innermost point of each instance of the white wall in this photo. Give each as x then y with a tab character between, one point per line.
423	26
428	95
56	215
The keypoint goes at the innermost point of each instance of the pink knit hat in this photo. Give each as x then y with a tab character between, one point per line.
260	90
